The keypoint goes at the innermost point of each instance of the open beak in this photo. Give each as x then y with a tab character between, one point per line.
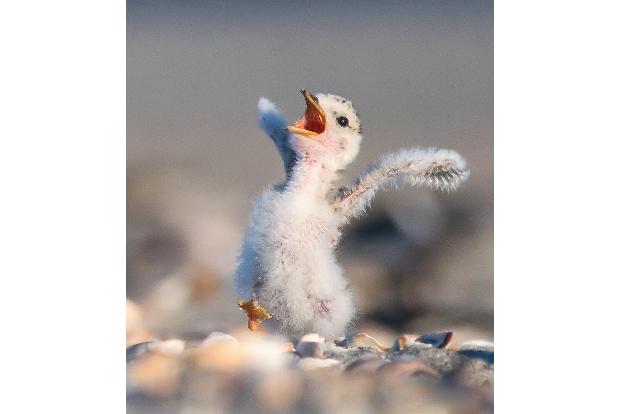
313	122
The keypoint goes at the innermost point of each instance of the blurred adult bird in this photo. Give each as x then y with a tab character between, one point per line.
287	263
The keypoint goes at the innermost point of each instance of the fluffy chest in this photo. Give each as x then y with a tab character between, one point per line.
306	220
298	221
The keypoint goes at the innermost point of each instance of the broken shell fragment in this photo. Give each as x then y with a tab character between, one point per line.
361	340
435	340
404	342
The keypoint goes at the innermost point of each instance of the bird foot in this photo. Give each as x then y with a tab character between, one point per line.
256	313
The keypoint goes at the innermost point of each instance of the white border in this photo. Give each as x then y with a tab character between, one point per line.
63	211
557	205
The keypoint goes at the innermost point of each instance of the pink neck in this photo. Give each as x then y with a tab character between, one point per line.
311	175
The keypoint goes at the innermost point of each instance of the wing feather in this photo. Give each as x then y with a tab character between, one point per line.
438	169
273	123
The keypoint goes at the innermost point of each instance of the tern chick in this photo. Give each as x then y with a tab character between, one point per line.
288	262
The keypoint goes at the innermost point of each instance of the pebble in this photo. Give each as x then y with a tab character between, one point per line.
273	365
169	347
483	350
365	366
436	340
217	337
154	374
218	352
310	345
221	352
137	350
278	392
135	330
310	364
405	368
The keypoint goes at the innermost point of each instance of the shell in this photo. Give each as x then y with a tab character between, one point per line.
361	340
436	340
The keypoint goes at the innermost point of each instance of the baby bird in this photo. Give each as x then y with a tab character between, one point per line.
287	264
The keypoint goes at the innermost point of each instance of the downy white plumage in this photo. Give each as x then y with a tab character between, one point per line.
287	261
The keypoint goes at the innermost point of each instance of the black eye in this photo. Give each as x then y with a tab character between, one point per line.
342	121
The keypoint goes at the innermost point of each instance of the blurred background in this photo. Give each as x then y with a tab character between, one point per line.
420	73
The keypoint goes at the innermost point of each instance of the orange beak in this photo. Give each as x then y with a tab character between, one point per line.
313	122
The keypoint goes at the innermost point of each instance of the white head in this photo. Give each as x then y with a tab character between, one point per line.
328	132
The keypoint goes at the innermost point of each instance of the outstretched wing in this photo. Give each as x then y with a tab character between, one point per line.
273	123
439	169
